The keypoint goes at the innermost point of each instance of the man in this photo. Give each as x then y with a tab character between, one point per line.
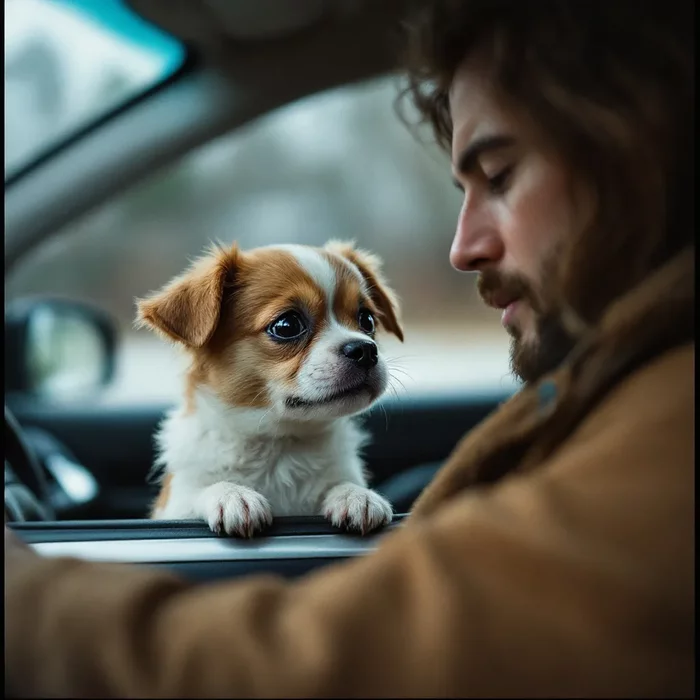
554	554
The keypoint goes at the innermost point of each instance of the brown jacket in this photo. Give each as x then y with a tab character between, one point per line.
552	556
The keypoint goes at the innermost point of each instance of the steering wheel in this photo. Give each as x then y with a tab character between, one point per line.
22	468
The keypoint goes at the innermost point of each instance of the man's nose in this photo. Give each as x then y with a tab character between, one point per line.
477	242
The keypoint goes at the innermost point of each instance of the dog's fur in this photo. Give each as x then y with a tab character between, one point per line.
259	432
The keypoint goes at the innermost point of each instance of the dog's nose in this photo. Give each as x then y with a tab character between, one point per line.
362	352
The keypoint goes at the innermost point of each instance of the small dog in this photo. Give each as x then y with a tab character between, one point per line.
283	350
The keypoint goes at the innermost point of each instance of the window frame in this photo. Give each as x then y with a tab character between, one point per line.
188	62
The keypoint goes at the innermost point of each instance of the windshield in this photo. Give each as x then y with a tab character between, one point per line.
71	62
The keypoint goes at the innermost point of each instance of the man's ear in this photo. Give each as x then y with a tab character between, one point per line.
188	308
370	267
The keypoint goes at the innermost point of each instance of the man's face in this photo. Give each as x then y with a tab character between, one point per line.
519	211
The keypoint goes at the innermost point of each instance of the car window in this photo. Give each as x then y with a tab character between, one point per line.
70	62
334	165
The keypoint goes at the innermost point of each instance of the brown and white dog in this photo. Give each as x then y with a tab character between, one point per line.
283	350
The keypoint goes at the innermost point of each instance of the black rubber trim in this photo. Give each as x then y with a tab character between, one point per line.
107	530
202	572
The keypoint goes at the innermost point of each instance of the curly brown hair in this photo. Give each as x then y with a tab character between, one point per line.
611	85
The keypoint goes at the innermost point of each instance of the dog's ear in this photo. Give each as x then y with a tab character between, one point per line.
187	309
383	297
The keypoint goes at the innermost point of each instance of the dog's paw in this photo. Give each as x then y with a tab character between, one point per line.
234	510
356	508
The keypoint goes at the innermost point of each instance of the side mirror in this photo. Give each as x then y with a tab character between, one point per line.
57	349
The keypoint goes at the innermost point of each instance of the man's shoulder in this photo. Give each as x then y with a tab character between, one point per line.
645	426
645	419
662	385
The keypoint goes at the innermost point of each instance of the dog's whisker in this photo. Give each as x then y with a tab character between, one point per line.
386	416
396	365
392	388
394	378
260	393
394	358
262	418
403	371
401	384
396	391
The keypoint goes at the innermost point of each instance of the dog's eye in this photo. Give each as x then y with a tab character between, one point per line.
366	321
289	326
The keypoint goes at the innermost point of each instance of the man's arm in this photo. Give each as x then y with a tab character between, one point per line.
575	580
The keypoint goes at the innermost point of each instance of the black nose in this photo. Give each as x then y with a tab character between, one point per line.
362	352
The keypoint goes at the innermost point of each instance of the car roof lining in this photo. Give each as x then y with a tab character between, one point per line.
228	25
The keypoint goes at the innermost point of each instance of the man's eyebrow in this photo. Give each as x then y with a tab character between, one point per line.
468	158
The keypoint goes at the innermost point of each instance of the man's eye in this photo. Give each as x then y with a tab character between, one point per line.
498	184
288	326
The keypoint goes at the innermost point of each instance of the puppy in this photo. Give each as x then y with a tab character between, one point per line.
283	355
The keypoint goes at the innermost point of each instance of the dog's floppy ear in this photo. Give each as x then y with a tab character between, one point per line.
370	267
188	308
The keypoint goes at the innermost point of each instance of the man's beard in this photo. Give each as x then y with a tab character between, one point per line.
531	360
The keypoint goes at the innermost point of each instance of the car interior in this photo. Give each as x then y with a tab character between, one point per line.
76	471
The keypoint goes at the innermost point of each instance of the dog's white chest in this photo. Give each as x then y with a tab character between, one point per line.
293	473
292	476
